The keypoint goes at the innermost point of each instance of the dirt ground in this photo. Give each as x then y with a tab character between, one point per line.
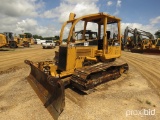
123	99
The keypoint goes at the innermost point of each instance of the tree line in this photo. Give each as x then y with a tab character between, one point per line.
157	34
29	35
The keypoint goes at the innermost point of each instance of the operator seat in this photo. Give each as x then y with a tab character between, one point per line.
100	42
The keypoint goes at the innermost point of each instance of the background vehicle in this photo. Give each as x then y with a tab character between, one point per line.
57	42
137	37
3	40
27	38
140	44
20	42
148	46
48	44
7	39
127	42
77	64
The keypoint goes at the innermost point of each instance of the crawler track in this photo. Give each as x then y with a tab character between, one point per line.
90	76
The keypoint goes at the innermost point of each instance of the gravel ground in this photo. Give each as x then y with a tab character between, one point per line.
115	100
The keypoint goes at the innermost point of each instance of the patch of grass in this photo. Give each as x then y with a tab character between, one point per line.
6	49
148	102
154	105
140	101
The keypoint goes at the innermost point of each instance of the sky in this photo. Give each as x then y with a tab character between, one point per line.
45	17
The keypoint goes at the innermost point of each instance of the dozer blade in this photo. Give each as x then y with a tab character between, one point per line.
49	89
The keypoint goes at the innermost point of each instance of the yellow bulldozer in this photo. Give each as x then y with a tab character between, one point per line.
27	38
3	40
82	65
7	39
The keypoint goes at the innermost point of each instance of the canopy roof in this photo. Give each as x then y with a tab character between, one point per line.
97	18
